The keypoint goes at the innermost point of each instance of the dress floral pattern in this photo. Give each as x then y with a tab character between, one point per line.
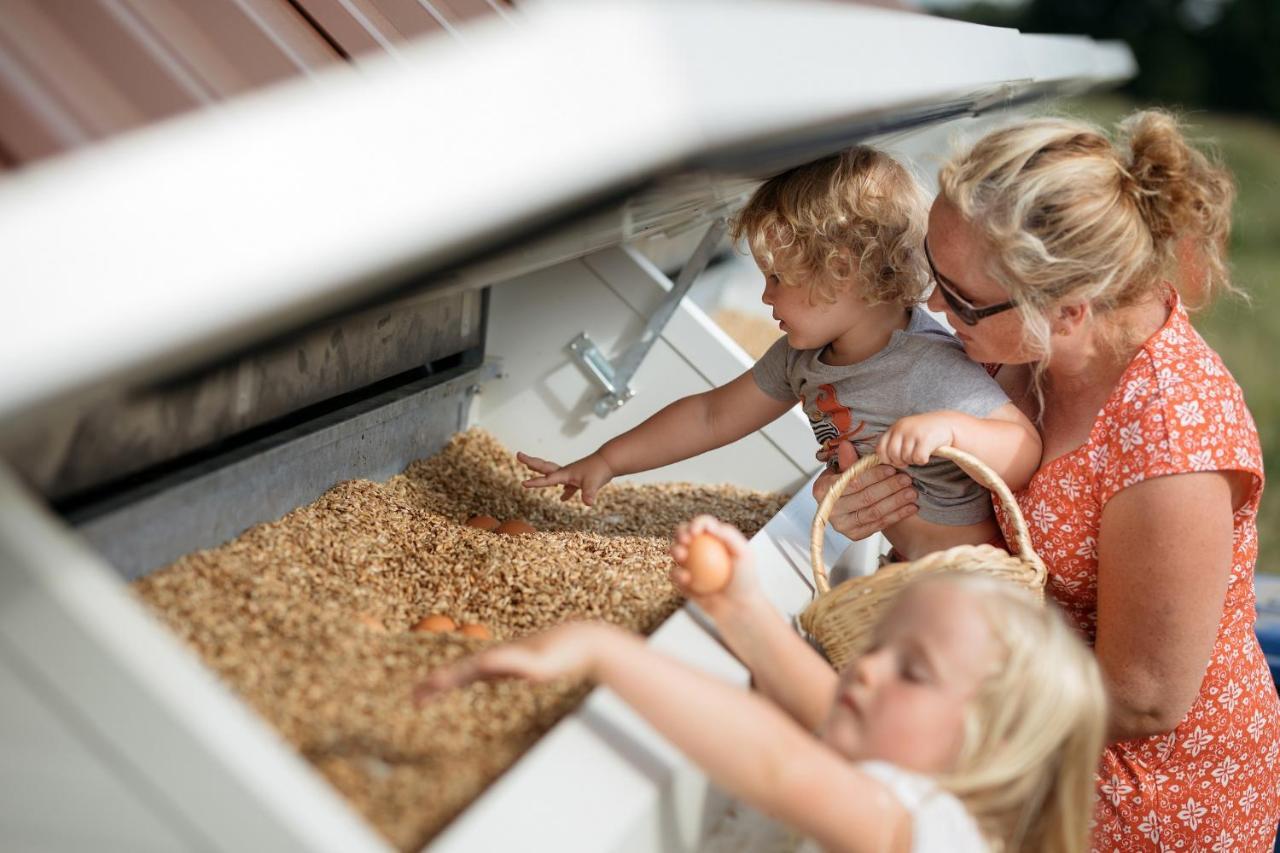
1211	783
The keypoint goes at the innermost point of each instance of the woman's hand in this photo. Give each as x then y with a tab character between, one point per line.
913	439
742	590
568	651
879	497
588	474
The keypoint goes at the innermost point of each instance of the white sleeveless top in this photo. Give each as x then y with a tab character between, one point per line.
939	821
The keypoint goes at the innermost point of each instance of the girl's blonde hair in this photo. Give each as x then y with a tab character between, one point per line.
1034	732
857	215
1068	214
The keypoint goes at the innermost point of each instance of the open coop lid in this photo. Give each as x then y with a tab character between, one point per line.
174	246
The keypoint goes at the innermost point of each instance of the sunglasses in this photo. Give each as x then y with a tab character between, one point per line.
963	308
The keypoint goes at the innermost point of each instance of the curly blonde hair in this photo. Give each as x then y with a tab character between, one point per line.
858	216
1068	214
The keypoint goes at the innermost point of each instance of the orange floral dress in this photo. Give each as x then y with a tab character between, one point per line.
1211	783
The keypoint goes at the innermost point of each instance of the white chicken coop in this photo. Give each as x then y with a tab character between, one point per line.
151	283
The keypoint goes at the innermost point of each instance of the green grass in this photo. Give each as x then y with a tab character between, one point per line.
1245	334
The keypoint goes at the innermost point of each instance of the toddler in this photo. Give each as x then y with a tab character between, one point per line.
840	244
975	722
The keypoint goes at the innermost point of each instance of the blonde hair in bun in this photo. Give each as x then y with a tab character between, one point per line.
1185	199
1068	214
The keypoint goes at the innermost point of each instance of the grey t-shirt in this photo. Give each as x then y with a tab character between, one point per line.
922	369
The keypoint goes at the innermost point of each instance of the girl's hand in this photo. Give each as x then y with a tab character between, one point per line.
876	499
566	651
742	587
912	440
588	474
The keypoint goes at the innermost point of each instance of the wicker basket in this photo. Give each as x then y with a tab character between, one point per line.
840	620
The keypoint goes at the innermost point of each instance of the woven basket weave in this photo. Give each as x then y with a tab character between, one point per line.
841	620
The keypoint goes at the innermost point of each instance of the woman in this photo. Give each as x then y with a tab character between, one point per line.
1056	255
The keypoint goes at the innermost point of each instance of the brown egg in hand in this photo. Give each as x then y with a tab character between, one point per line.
708	563
516	527
475	631
436	623
484	522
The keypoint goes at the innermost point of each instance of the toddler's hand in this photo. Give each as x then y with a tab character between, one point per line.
837	458
588	474
912	440
565	651
742	584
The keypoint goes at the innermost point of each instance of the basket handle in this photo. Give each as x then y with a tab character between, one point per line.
967	462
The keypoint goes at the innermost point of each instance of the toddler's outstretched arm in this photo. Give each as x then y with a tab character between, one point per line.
687	427
1005	440
745	744
784	666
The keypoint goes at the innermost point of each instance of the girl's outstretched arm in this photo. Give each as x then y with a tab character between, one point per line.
785	668
747	746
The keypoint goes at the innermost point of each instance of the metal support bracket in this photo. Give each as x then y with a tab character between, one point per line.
615	378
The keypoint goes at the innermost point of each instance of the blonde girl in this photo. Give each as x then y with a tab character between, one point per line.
973	723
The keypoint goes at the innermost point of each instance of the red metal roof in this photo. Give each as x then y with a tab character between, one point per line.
76	71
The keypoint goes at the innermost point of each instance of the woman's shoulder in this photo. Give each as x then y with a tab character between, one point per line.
1177	374
939	821
1178	350
1177	409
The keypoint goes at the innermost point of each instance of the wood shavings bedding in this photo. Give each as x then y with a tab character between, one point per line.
288	615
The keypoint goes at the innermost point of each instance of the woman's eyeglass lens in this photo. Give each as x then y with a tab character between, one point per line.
957	303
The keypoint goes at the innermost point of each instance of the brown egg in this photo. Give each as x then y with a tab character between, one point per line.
373	623
708	563
484	522
516	527
436	623
476	631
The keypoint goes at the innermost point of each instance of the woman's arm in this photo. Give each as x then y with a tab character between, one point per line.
686	428
1164	561
747	746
